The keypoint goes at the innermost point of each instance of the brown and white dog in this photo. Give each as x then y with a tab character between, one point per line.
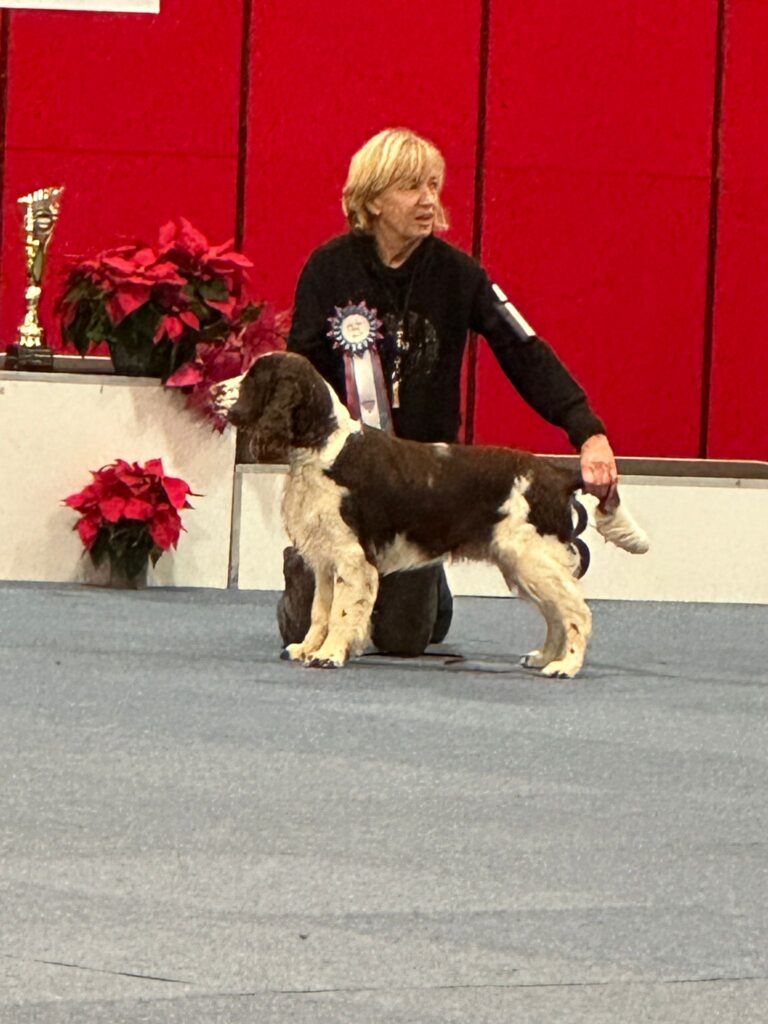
359	503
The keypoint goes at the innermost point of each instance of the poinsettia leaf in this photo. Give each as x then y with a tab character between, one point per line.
166	272
225	306
88	530
167	234
177	491
226	261
165	529
190	319
154	467
174	327
186	376
127	299
135	508
217	250
191	239
145	257
119	264
113	508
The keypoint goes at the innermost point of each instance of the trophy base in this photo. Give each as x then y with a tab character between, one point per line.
29	357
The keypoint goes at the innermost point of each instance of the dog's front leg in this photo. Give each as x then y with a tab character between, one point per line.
354	592
320	616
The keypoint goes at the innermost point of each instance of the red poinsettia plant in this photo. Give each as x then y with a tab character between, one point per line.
129	514
152	304
219	360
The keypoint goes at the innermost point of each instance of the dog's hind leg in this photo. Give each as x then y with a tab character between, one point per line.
542	571
354	594
318	626
554	644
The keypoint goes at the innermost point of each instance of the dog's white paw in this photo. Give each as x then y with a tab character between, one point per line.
295	652
567	668
327	656
533	659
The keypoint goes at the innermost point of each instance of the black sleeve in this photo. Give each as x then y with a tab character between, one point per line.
532	366
309	328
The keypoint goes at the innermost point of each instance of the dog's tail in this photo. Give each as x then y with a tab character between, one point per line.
614	522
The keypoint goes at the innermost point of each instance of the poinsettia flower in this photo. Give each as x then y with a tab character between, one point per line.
129	492
182	289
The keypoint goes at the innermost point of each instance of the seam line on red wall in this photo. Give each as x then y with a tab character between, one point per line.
714	212
242	125
5	22
478	203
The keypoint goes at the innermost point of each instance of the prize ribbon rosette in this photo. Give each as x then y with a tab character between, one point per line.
354	330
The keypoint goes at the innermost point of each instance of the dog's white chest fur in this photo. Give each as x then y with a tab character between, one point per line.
312	512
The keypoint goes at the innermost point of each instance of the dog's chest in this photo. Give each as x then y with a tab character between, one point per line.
311	506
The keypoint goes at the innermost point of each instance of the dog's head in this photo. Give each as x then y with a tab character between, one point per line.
283	404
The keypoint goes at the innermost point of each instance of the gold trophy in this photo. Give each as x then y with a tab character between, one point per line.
42	211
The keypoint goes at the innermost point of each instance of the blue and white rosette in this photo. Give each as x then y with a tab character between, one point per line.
355	329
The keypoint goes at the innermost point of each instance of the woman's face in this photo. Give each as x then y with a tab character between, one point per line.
406	210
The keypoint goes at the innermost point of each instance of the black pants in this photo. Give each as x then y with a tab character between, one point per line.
412	608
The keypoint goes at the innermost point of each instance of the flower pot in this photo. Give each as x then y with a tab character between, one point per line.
142	357
140	360
112	575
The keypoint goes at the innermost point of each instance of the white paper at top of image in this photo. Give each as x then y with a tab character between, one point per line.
115	6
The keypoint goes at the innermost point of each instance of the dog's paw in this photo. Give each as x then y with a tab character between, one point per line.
533	659
327	656
324	663
294	652
560	670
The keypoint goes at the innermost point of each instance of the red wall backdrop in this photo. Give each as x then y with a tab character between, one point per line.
738	410
619	199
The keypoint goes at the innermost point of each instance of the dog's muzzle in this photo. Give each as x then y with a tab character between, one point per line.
226	393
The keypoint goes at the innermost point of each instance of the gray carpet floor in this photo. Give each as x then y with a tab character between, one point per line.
193	831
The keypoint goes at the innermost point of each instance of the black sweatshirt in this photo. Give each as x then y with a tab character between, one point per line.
438	294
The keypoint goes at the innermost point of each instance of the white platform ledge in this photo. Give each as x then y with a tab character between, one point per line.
55	428
709	539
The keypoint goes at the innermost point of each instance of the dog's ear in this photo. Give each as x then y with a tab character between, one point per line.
313	418
285	404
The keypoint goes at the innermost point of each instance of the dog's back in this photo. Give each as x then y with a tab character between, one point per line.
444	498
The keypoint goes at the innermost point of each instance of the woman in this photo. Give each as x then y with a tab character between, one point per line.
383	313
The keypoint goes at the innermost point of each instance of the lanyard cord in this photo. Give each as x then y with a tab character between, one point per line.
402	345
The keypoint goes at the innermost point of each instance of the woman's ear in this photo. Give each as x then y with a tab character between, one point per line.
373	206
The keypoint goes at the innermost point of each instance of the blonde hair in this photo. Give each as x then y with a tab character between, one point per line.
393	156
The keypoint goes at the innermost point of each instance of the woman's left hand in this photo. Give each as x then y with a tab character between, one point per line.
598	466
